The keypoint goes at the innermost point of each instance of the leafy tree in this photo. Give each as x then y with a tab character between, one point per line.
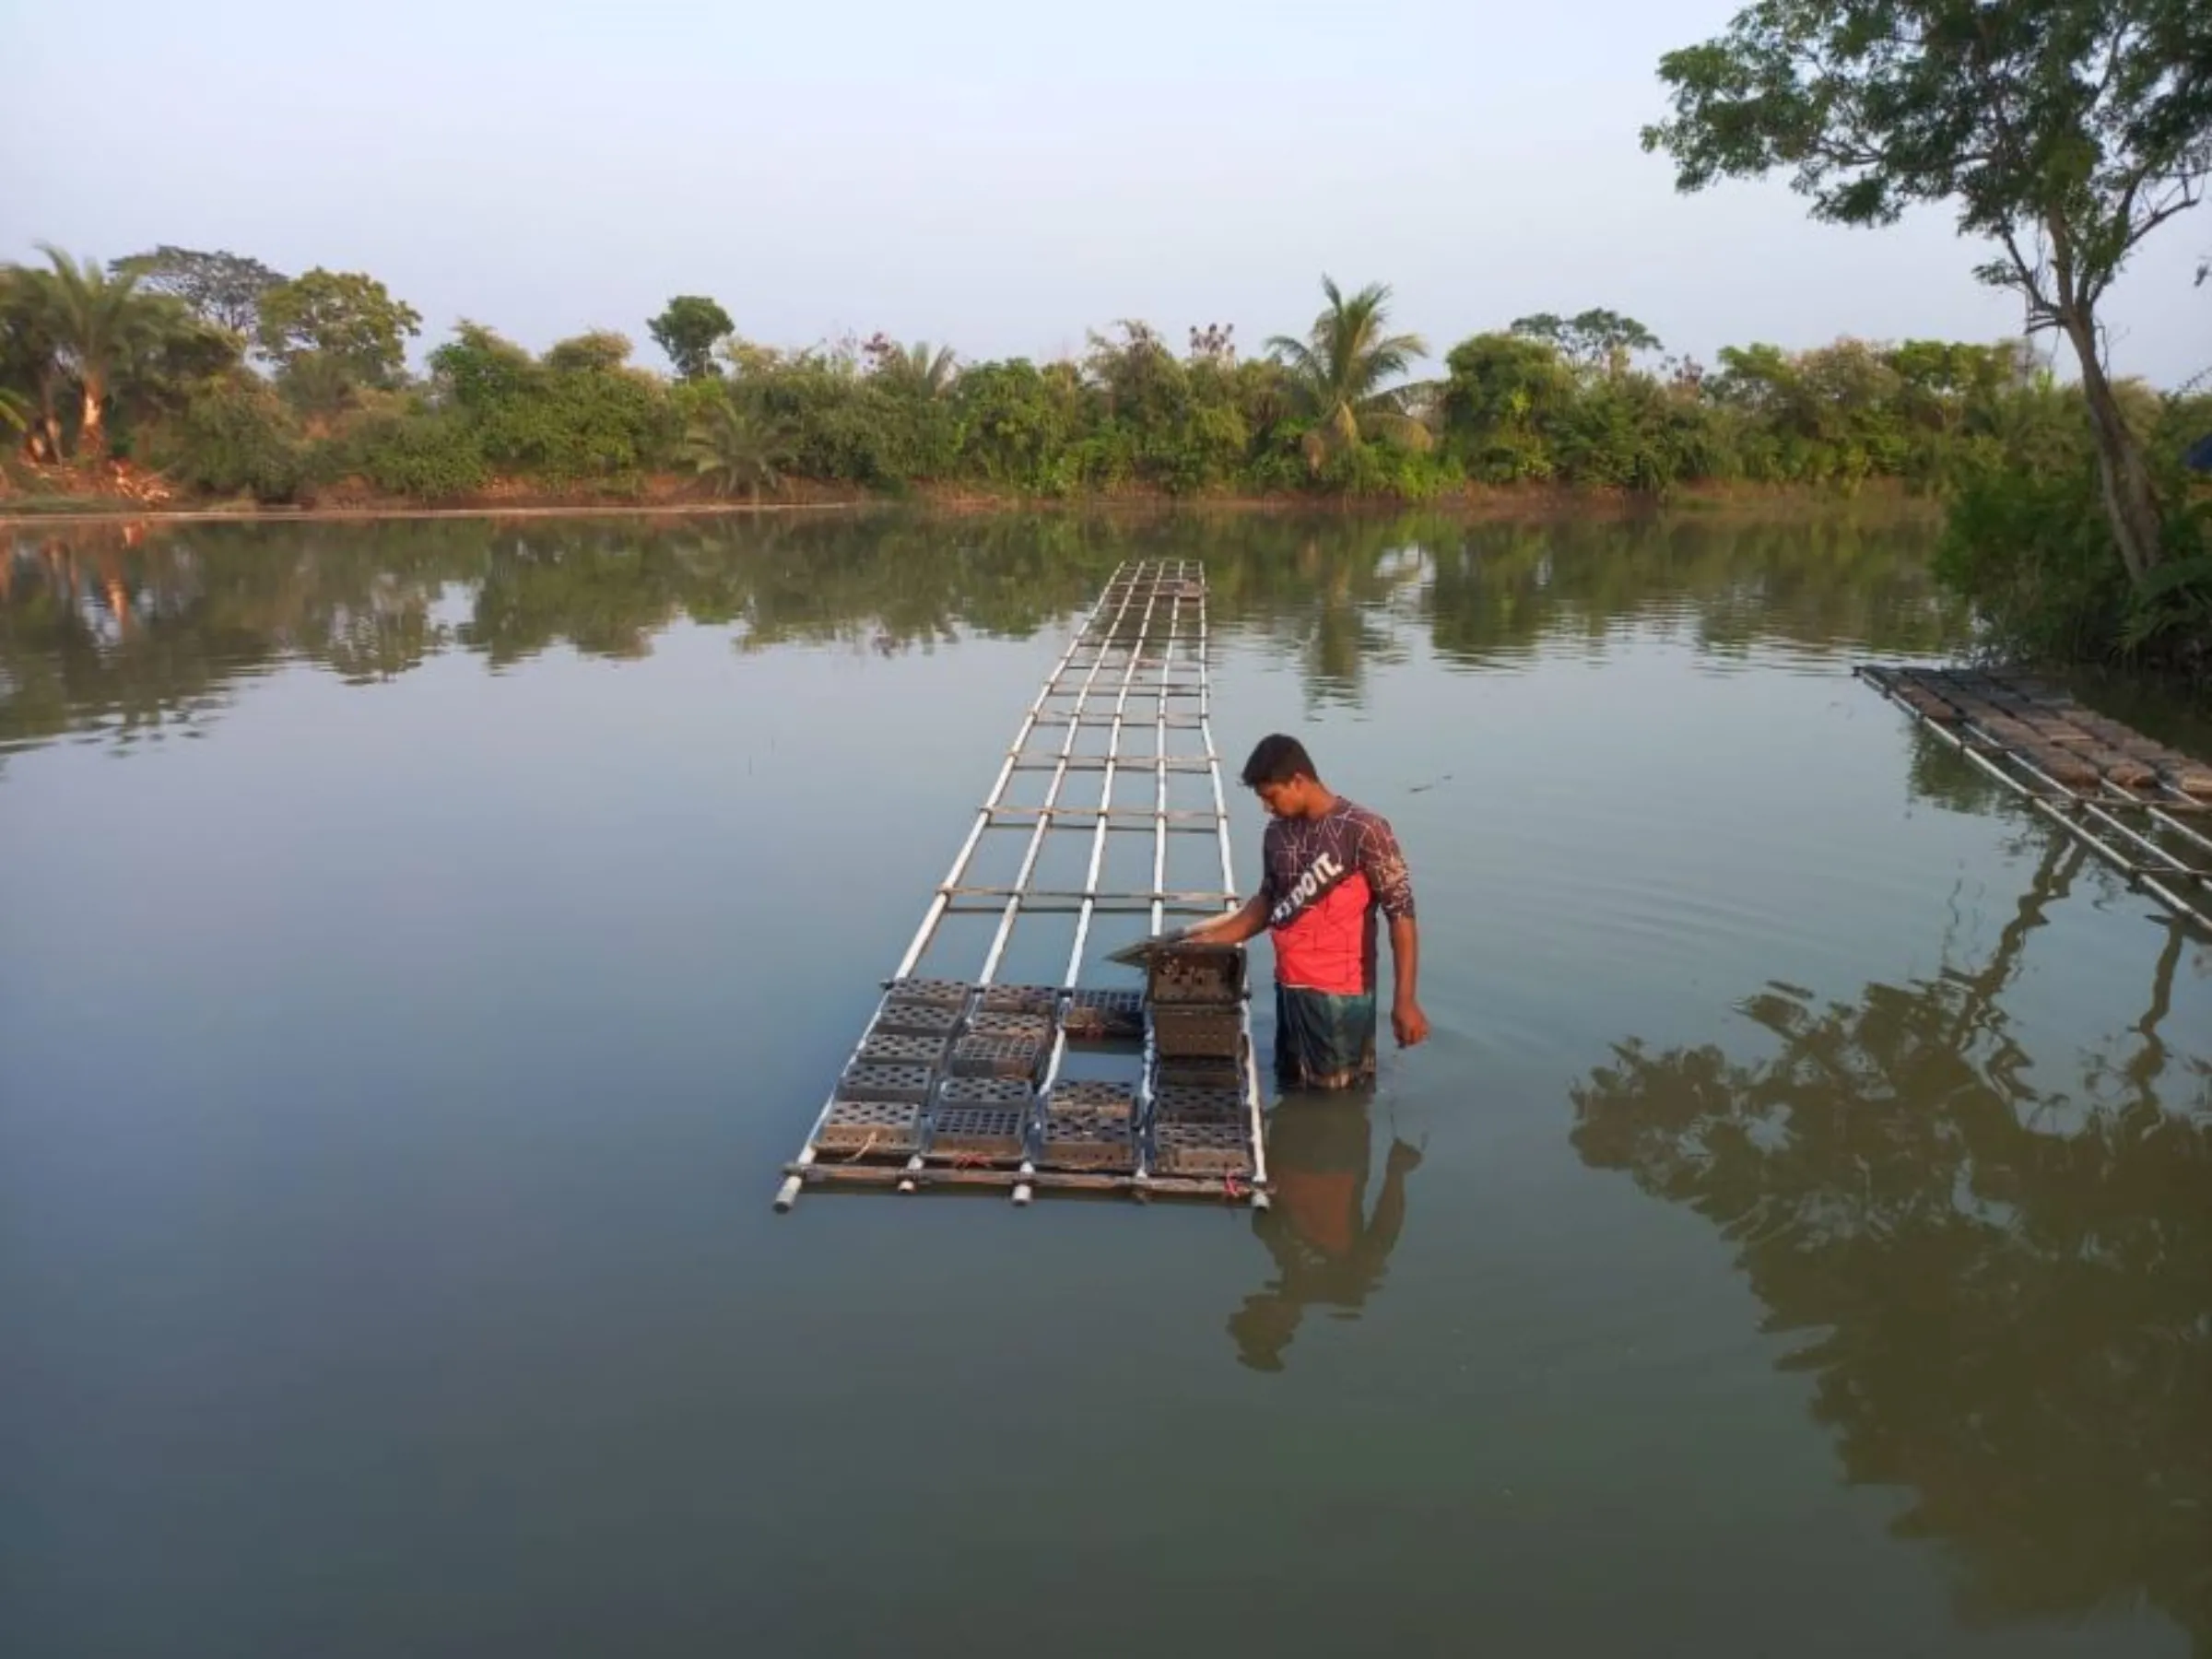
689	330
1504	393
481	370
1337	375
1015	422
600	349
333	332
221	287
1591	338
2065	131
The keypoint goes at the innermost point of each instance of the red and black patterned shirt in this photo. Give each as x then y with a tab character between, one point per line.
1325	878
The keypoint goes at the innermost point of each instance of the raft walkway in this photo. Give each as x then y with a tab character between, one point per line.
959	1083
2141	807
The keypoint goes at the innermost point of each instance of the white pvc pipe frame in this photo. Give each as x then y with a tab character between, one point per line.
1127	582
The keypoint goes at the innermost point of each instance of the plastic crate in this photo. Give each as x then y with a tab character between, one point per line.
1019	999
1182	1032
1205	974
1087	1142
1201	1149
871	1128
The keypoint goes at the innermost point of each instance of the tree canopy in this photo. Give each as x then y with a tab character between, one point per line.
221	287
1591	338
330	331
689	330
2062	131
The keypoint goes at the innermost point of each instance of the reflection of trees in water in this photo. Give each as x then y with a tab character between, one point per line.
2005	1291
132	629
1502	589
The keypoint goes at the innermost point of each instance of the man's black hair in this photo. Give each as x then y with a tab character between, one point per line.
1277	760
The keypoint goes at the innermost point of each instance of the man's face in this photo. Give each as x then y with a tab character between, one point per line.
1282	800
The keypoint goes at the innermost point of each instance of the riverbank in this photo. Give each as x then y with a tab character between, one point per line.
677	498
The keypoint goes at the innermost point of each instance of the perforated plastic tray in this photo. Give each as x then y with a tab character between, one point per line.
1030	1028
891	1048
1084	1094
975	1056
871	1128
1104	1016
1087	1141
952	993
1019	999
918	1020
862	1081
1181	1031
1201	1149
1211	974
1201	1073
987	1132
1179	1102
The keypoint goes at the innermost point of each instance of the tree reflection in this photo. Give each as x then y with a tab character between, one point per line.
2005	1288
1501	589
134	629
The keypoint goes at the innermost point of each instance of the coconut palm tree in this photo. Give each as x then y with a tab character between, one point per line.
737	449
1337	374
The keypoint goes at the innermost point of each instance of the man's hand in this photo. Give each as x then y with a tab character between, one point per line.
1407	1021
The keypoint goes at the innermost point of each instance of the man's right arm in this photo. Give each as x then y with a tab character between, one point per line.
1238	926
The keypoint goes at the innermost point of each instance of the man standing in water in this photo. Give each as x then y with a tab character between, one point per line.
1329	867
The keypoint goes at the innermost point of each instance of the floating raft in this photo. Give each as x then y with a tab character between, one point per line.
957	1083
2143	808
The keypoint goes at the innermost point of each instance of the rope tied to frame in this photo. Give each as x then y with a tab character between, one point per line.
864	1148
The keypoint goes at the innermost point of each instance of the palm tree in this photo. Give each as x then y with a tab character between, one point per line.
1337	374
926	373
97	321
737	449
27	359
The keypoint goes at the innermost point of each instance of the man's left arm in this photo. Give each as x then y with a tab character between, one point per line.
1387	876
1406	1019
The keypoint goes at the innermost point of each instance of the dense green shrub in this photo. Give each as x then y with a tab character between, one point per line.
427	455
233	437
2027	540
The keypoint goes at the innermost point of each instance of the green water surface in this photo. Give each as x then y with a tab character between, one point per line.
420	946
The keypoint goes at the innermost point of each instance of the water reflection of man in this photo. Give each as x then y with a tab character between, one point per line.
1327	1250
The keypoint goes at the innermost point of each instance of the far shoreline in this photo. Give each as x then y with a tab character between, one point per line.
1475	504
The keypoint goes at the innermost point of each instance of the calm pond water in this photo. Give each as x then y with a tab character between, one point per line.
420	946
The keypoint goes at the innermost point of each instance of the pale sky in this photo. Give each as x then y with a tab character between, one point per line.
996	175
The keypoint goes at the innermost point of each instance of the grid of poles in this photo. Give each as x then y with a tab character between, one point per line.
1137	663
2154	833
